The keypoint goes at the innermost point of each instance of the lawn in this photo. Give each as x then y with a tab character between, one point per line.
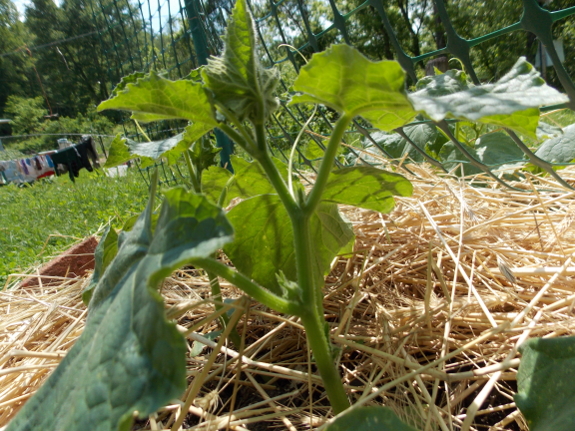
39	221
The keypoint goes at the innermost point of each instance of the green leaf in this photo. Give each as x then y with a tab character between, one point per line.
343	79
129	79
214	181
203	153
105	252
197	347
162	99
548	131
561	149
496	150
369	419
546	393
397	147
366	187
511	102
129	357
237	79
264	242
118	154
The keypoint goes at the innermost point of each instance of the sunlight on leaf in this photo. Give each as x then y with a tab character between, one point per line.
155	98
237	79
343	79
511	102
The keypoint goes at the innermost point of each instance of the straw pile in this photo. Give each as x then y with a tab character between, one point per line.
427	314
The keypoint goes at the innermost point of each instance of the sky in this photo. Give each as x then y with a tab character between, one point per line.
174	6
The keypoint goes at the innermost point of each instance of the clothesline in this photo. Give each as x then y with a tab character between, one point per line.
70	159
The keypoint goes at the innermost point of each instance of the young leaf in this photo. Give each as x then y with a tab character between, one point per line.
161	99
546	394
129	357
264	241
343	79
369	419
511	102
366	187
105	252
561	149
203	153
237	79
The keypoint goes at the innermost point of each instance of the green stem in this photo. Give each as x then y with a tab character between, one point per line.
321	348
257	292
193	177
277	181
312	315
314	197
224	318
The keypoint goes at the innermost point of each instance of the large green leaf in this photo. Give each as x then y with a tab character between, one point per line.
366	187
511	102
129	357
545	384
162	99
561	149
264	242
105	252
343	79
369	419
237	79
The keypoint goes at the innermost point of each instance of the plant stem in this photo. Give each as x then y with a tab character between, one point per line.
192	171
321	349
312	315
257	292
217	295
314	197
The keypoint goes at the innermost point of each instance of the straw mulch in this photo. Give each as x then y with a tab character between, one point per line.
427	315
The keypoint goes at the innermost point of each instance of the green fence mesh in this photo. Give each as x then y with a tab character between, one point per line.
178	36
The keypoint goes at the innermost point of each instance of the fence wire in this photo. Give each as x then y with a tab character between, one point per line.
177	36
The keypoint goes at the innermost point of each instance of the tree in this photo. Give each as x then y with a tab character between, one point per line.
27	114
14	62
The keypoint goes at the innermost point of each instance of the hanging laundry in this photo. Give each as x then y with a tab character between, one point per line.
75	158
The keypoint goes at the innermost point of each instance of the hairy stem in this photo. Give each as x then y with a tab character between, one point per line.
312	315
314	196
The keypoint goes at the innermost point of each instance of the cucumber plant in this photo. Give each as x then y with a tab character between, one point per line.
281	237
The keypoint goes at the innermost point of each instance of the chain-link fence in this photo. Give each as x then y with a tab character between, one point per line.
177	36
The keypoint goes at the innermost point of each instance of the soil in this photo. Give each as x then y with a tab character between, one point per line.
74	262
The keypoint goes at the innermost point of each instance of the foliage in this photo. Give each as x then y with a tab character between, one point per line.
545	391
27	114
27	111
39	221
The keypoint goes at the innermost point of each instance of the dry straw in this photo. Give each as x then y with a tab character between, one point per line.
427	315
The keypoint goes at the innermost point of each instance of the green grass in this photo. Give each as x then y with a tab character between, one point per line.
39	221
